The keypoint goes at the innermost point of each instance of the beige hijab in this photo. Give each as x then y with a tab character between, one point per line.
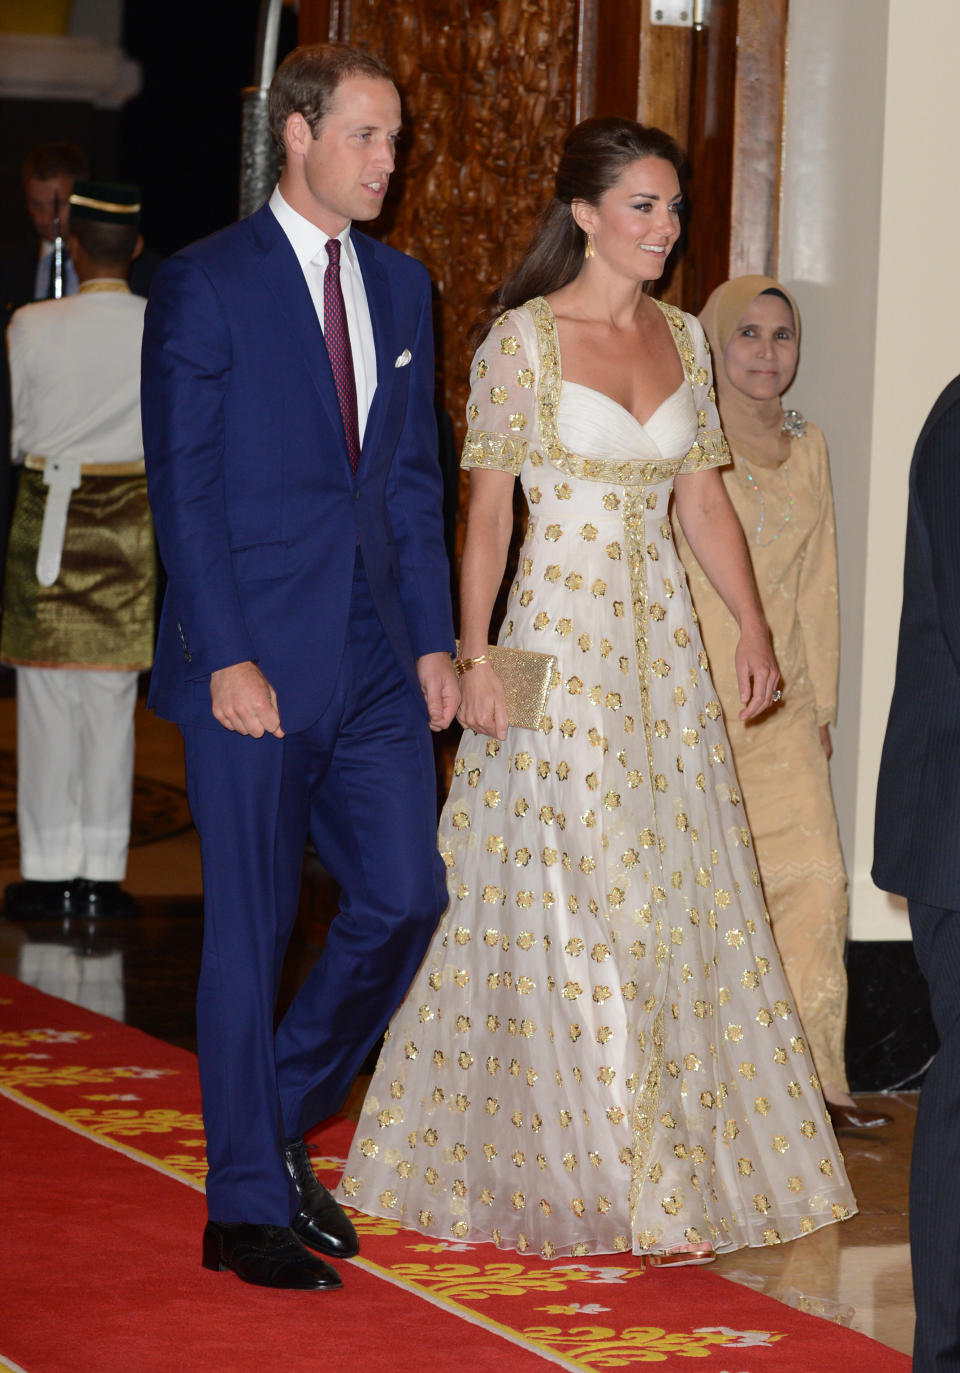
754	428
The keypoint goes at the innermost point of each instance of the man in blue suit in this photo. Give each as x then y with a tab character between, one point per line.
917	855
306	639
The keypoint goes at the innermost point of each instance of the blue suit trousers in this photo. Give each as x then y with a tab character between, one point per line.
361	782
934	1213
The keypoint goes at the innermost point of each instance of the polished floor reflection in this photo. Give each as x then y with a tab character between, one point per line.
144	972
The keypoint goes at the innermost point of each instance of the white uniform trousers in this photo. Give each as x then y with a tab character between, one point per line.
74	772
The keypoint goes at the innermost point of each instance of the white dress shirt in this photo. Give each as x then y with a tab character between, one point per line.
310	245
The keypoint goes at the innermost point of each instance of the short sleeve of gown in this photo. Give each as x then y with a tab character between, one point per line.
501	411
710	447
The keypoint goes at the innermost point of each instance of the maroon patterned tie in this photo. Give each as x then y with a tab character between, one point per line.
337	339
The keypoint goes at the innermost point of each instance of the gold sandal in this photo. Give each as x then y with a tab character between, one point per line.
690	1256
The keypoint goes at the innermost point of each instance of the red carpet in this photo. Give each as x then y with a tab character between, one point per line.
100	1260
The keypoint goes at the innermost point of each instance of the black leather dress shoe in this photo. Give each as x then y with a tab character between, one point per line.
321	1223
856	1117
267	1255
101	900
38	900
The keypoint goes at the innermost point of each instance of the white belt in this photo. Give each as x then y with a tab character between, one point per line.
62	476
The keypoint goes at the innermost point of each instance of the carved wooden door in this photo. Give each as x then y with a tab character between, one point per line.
491	89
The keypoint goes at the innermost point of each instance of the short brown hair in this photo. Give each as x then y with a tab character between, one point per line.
55	159
306	80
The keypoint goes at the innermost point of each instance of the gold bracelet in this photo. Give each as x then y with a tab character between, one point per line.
463	665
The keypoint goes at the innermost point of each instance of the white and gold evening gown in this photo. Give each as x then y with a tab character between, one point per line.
599	1053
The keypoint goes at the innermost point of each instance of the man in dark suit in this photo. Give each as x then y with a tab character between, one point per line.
49	172
917	855
306	638
26	271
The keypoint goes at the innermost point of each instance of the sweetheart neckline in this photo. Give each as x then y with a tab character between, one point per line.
641	424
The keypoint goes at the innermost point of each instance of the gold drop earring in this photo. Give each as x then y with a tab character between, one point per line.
589	250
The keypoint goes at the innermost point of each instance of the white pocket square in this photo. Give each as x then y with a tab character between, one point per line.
403	359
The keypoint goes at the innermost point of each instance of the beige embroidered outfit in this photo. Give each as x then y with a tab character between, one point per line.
779	483
779	759
599	1053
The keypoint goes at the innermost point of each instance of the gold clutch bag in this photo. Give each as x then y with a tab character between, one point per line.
527	678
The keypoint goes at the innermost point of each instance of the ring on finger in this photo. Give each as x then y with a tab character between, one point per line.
777	695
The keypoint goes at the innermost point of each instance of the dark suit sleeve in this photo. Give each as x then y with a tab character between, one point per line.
17	281
142	271
937	485
415	503
185	376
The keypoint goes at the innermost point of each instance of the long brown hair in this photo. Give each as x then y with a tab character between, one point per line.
594	157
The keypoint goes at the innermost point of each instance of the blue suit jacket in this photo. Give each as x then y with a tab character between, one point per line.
917	833
258	515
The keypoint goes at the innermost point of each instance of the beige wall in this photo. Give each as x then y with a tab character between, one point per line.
870	245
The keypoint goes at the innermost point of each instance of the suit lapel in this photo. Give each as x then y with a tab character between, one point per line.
285	278
380	303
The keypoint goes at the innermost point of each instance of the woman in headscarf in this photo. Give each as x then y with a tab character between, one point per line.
779	483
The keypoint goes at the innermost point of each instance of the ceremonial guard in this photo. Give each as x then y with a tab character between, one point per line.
81	568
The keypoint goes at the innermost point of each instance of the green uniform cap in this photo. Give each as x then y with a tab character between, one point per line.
108	202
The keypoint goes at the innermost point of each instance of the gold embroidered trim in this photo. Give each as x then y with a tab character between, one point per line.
134	468
103	284
497	451
646	1104
112	206
626	473
709	449
644	1114
696	376
633	525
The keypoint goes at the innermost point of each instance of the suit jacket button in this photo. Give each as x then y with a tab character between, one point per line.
187	657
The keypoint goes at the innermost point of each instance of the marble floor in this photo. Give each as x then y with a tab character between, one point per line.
144	971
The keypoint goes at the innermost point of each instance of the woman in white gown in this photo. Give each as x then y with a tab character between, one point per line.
599	1053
